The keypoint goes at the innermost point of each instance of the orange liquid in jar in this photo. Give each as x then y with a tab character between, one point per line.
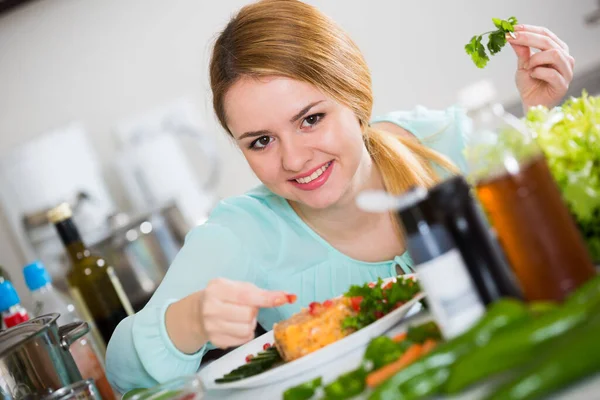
537	232
90	367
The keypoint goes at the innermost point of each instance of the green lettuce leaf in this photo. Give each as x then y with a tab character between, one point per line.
570	139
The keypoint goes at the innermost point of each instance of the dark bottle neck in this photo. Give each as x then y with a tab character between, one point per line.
71	239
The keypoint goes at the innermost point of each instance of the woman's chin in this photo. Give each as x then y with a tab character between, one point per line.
318	199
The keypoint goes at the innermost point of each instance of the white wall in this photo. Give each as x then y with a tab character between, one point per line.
100	61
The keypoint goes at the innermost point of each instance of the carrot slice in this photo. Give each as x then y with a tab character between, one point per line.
429	345
375	378
399	337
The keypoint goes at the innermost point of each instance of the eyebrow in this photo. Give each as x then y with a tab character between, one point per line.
295	118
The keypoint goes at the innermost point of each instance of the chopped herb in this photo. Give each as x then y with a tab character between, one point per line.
378	300
496	41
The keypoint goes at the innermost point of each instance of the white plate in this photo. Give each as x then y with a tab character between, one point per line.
234	359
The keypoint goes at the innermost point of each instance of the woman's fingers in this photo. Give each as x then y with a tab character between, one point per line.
230	312
552	77
555	58
240	331
253	296
244	293
226	341
535	40
543	31
523	54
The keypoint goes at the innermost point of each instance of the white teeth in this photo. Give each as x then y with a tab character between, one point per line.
314	175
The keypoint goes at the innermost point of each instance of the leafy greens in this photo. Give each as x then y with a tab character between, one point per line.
496	41
570	139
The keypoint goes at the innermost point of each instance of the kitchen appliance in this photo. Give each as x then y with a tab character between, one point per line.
153	165
141	248
35	358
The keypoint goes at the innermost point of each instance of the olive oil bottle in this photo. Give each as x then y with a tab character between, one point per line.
93	284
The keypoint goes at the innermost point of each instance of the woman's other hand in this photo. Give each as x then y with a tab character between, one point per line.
542	77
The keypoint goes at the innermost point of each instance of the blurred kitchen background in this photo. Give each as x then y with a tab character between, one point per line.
106	105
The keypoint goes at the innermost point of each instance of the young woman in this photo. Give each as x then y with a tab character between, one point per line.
294	92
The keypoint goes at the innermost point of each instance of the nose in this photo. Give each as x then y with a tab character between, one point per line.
295	153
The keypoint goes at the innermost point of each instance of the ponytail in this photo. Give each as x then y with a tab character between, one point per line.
403	161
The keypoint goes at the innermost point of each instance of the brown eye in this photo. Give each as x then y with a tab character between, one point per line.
261	142
312	120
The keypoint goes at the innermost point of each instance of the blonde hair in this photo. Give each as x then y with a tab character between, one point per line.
292	39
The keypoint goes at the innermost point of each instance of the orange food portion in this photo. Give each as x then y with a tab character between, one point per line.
312	328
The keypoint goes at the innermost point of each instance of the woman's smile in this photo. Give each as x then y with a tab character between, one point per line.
314	178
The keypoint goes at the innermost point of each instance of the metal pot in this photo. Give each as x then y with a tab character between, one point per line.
141	248
35	358
82	390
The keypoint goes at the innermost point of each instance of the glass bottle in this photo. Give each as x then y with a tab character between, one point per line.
47	299
13	313
523	202
440	267
93	284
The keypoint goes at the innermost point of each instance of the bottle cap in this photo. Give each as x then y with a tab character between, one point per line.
60	213
8	296
36	275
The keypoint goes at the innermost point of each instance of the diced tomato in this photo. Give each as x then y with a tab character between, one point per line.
291	298
327	303
371	285
266	346
379	314
398	304
388	285
355	302
314	308
249	357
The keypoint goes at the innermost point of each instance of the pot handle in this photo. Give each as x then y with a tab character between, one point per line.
69	333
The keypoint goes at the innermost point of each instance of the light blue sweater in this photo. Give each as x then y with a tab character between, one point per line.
257	237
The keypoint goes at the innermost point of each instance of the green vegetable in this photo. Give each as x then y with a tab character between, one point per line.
427	375
382	350
570	359
260	363
420	333
377	301
347	385
569	136
517	346
496	41
303	391
542	307
589	291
